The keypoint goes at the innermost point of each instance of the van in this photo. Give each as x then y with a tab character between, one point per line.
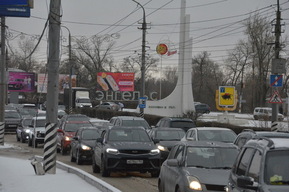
265	113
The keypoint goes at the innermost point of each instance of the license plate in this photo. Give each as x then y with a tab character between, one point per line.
11	125
134	161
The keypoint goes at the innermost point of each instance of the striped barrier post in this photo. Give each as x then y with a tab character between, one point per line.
2	129
274	126
49	157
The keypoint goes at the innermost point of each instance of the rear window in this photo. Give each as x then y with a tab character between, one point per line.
182	124
135	123
129	135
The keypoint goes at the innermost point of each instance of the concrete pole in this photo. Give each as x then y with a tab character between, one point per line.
3	82
52	87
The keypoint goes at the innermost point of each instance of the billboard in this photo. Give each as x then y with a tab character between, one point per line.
14	2
63	82
108	81
21	82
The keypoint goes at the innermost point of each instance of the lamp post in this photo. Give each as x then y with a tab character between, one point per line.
70	71
144	27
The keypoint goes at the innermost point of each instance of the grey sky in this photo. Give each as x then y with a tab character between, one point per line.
91	17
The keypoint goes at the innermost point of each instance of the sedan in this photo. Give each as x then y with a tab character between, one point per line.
210	134
82	144
23	129
125	149
197	166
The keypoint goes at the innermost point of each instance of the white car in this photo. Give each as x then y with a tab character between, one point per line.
37	134
265	113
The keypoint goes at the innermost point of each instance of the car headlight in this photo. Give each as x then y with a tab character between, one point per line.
27	130
112	151
162	148
66	138
194	183
155	151
85	147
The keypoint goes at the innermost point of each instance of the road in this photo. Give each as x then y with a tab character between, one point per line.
125	182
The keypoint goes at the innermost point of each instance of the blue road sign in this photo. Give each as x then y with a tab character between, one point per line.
13	2
276	80
14	11
142	102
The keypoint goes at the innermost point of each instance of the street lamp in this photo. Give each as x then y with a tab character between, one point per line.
70	72
144	27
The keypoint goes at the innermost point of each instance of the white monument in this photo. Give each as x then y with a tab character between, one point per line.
181	100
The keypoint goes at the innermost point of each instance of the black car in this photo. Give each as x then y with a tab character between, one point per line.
165	139
82	144
125	149
176	122
23	129
197	166
202	108
12	119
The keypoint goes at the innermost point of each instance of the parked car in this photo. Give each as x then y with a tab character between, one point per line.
36	134
176	122
129	121
265	113
109	105
66	132
82	144
210	134
12	119
23	129
197	166
125	149
248	134
202	108
165	139
256	167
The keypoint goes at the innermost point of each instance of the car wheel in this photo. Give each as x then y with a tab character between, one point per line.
155	173
95	168
17	138
29	142
72	159
255	117
161	187
22	138
78	159
104	172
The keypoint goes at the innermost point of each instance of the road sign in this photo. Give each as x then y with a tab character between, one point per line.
142	102
275	98
276	80
14	11
226	96
278	66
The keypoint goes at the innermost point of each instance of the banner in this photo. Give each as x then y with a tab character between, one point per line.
108	81
21	82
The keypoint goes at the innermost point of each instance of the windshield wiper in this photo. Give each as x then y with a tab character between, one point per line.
221	167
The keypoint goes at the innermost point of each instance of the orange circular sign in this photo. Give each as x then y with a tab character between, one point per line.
162	49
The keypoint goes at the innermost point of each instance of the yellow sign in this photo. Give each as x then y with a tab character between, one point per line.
226	96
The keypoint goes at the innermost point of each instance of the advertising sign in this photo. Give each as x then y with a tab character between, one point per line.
226	96
14	2
14	11
21	82
108	81
63	82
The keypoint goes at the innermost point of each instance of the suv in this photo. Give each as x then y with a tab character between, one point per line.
202	108
129	121
176	122
12	119
265	113
37	131
248	134
254	167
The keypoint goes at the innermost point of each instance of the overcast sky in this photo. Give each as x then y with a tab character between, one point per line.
215	24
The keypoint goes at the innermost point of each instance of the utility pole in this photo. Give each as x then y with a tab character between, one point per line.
3	83
52	87
143	28
274	123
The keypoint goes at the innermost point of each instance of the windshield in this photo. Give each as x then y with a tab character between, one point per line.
213	157
169	135
72	127
182	124
130	135
40	123
90	134
12	114
216	135
135	123
84	100
277	168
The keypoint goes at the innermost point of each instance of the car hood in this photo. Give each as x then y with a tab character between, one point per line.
168	144
133	145
69	134
210	176
42	129
89	143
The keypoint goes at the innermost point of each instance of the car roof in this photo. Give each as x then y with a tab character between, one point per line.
129	118
210	128
39	117
167	129
208	144
265	142
178	119
126	127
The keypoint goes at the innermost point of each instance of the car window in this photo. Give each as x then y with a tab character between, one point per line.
180	153
182	124
134	135
241	141
254	169
135	123
216	135
168	135
73	127
245	161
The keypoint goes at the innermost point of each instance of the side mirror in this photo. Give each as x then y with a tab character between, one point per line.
247	183
156	140
99	140
173	162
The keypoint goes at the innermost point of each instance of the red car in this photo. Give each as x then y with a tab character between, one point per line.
66	132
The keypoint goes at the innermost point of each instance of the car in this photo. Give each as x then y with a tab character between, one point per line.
248	134
12	119
73	117
129	121
37	132
109	105
125	149
82	144
265	113
202	108
60	113
197	166
176	122
66	132
16	84
255	167
210	134
99	123
23	129
165	139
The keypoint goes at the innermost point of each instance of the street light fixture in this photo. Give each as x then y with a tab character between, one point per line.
144	27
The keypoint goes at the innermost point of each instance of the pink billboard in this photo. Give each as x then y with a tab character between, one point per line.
21	82
108	81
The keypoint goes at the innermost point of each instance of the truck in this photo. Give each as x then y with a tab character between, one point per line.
80	97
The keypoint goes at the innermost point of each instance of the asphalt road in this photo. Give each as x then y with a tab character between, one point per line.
126	182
